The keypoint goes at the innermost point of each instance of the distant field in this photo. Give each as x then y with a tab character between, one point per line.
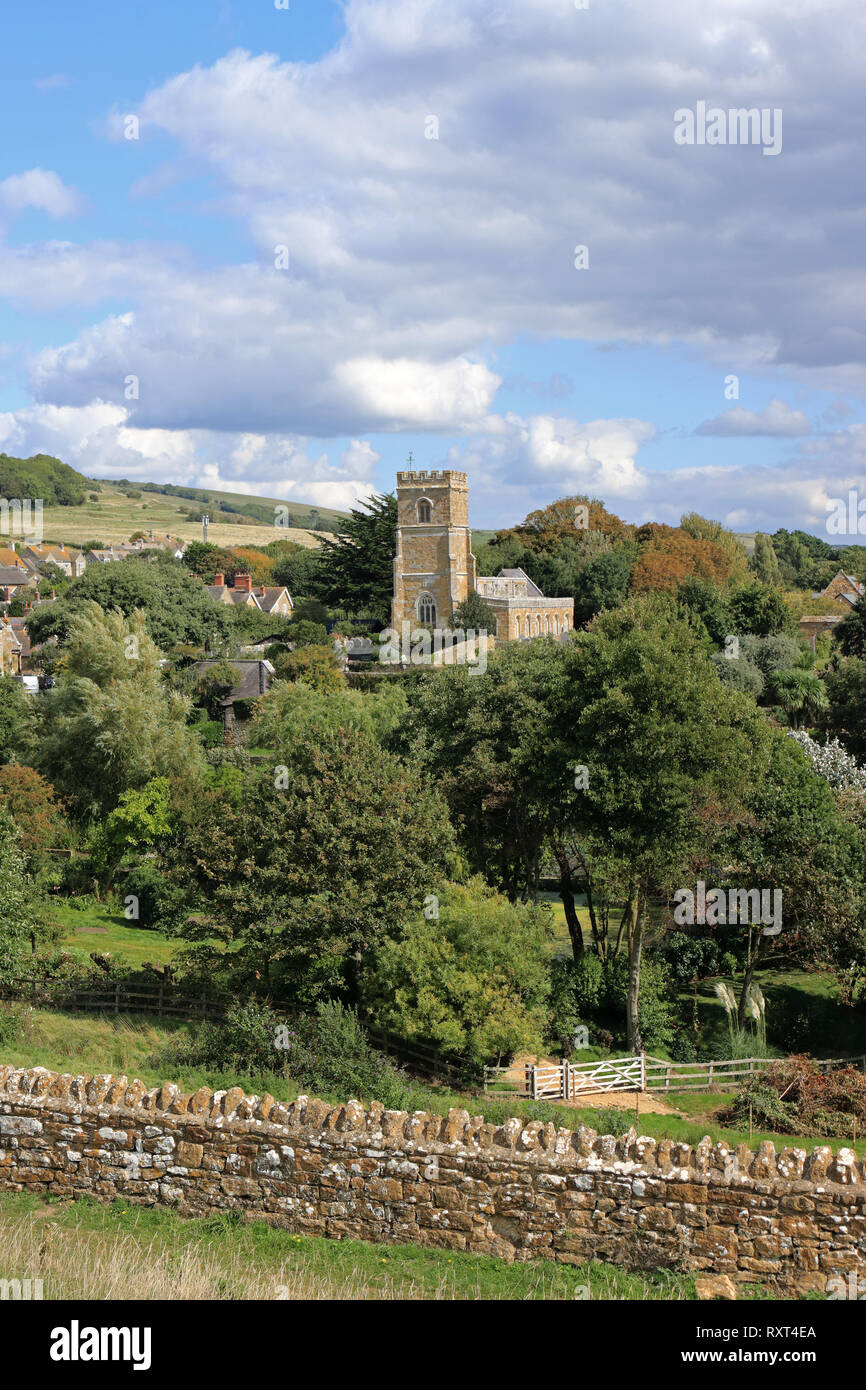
115	517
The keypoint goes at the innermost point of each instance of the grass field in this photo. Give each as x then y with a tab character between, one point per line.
85	1250
114	518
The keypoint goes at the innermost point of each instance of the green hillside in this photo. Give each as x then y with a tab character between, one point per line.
112	511
42	477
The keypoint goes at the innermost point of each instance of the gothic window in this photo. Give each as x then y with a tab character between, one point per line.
527	632
538	624
427	609
425	512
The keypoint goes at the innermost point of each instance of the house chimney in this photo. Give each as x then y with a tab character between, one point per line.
219	579
7	593
262	591
244	583
53	595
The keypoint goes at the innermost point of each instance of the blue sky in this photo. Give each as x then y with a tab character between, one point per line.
427	169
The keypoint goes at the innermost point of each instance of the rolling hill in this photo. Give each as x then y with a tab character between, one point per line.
112	511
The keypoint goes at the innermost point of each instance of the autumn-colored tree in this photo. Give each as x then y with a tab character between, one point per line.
693	555
32	803
246	560
573	518
660	571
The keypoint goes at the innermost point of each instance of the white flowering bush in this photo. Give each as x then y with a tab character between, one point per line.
832	762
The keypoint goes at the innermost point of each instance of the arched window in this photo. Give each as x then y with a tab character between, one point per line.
538	624
526	627
427	609
555	625
425	512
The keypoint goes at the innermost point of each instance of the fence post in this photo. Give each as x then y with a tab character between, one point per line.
643	1071
117	996
531	1082
565	1080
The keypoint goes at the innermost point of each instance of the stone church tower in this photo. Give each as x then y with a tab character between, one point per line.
434	568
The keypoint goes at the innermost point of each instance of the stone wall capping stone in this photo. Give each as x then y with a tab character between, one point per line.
514	1190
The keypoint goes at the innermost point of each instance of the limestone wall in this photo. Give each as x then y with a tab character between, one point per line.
789	1220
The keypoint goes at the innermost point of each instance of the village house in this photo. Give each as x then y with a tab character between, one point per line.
846	589
242	595
256	680
17	582
36	557
10	649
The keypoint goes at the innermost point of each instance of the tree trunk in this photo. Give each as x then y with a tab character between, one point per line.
635	942
566	893
751	967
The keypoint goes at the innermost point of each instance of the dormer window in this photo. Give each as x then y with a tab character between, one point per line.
425	512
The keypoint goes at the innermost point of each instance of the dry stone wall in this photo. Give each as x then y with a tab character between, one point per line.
790	1220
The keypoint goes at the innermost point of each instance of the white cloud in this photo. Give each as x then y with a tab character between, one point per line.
411	257
41	189
98	440
776	420
412	260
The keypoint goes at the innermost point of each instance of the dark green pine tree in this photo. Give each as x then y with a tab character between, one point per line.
356	569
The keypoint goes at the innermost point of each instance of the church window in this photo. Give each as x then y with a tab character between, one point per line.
425	512
427	609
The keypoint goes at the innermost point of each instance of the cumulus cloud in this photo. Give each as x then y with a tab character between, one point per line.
99	441
555	127
41	189
430	179
776	420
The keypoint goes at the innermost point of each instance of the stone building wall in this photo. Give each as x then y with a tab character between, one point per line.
433	557
790	1220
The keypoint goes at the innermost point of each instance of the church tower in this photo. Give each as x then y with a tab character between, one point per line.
434	568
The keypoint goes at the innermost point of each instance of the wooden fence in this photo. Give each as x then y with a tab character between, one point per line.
568	1080
119	997
703	1076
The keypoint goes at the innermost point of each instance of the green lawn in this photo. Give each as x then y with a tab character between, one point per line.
103	928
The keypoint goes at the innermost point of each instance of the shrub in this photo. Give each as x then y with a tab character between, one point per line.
160	902
613	1121
795	1097
13	1023
682	1048
577	990
325	1052
211	732
760	1098
473	978
691	957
